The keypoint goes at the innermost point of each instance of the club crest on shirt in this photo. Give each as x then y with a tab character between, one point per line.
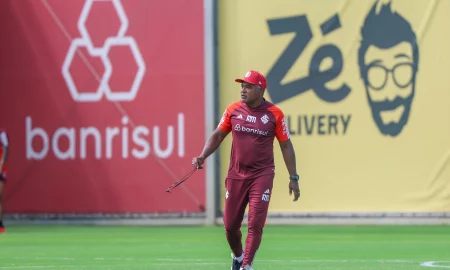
265	119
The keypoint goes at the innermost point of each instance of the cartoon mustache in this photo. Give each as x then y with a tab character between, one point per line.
390	105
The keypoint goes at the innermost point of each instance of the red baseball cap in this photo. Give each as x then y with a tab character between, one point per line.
253	77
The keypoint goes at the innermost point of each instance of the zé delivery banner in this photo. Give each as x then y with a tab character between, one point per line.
365	89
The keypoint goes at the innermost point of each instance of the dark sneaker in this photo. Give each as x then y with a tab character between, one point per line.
236	265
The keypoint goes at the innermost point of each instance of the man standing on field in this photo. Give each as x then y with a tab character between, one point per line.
254	123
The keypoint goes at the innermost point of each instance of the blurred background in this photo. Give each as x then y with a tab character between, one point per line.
107	102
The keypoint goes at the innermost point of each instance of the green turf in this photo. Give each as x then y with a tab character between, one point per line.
283	247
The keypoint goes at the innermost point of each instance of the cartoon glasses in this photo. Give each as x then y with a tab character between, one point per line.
377	75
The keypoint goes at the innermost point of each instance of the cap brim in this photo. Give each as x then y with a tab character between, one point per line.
242	80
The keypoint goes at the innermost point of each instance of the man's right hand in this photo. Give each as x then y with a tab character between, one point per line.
198	161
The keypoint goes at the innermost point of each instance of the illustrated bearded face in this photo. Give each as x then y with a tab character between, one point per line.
388	60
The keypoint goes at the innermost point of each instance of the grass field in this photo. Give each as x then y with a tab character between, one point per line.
283	247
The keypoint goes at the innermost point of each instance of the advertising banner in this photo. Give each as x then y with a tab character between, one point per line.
365	89
93	97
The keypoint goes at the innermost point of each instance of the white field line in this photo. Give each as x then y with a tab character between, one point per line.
434	264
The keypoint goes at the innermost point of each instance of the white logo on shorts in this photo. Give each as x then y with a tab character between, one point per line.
266	196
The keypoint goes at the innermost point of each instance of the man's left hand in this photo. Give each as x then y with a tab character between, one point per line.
294	188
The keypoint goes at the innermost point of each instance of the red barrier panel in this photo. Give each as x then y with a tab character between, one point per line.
104	105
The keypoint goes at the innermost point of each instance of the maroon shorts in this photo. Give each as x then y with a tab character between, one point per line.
240	192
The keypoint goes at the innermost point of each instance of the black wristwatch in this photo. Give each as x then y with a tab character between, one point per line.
294	177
